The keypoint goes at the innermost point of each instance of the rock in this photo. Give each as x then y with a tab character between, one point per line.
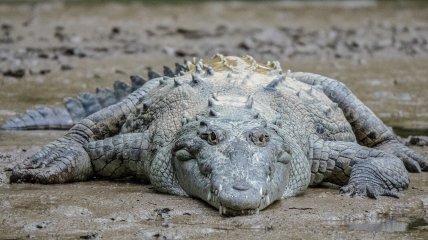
17	73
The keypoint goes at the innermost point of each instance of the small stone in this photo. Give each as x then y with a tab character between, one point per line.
66	67
17	73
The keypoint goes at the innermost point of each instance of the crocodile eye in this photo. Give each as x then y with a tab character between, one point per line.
259	138
211	137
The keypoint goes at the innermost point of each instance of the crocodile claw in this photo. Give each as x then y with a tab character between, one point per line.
413	161
366	190
60	161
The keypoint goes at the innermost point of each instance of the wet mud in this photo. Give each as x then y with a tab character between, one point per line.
52	50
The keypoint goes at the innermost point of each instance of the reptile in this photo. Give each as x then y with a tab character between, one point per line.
234	133
76	108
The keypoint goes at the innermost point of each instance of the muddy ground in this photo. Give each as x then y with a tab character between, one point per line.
52	50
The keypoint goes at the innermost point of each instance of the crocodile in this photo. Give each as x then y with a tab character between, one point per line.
236	134
86	103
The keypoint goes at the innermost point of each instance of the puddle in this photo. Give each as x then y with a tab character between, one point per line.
406	132
389	225
382	226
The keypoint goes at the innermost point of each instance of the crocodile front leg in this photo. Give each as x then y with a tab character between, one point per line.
365	171
131	155
66	160
368	128
124	155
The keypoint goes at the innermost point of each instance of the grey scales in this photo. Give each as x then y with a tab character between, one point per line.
234	133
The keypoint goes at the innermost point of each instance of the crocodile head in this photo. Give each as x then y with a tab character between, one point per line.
237	166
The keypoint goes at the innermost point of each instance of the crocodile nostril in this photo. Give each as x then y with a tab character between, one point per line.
241	186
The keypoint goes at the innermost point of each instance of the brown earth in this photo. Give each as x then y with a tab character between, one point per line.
52	50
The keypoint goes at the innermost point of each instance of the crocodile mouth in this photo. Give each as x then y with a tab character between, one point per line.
230	197
225	211
213	197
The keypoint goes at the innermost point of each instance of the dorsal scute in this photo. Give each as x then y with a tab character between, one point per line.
230	71
207	90
238	65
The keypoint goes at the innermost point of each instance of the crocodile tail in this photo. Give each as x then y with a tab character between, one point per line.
40	117
77	108
74	109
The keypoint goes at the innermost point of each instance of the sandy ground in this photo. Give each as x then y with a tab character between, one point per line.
49	51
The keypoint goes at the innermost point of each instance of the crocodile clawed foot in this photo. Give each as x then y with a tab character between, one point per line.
60	161
379	176
366	190
413	161
42	171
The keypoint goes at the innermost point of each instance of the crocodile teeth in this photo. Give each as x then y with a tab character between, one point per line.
257	210
220	188
261	192
209	196
220	209
267	200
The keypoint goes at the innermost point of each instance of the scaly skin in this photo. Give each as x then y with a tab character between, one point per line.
235	134
77	108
